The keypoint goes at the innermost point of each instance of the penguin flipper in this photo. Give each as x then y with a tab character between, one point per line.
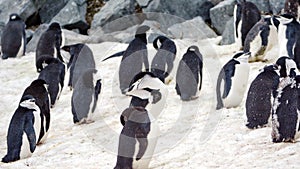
229	70
31	134
114	55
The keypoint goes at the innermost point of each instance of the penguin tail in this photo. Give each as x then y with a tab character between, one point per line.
114	55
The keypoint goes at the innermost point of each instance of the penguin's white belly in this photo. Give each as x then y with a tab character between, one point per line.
25	148
282	40
144	162
37	124
156	109
255	46
21	49
238	86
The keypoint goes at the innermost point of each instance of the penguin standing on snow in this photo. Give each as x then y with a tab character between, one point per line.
260	95
261	38
38	89
81	59
23	131
289	38
285	112
189	74
13	39
246	15
136	128
54	75
85	96
139	124
232	81
134	57
162	63
49	44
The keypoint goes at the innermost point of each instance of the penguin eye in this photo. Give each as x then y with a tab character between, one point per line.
32	100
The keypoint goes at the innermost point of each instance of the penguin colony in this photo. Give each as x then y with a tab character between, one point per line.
273	96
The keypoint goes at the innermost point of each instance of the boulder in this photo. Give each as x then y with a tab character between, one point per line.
187	9
262	5
72	16
24	8
192	29
165	20
48	9
221	14
228	34
276	6
112	10
31	45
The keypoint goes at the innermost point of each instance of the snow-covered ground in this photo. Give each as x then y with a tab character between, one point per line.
194	135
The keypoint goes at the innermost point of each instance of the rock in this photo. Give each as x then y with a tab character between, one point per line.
72	16
112	10
31	45
187	9
123	23
228	34
192	29
48	9
262	5
276	6
165	20
220	15
154	31
29	34
24	8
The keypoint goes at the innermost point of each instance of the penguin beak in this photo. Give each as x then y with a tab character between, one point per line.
248	54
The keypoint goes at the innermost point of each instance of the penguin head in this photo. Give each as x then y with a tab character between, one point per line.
28	102
287	66
275	21
286	19
158	41
145	80
14	17
141	33
54	26
242	57
193	49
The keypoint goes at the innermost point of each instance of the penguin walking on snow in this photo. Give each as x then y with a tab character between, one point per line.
232	81
38	89
139	124
285	112
189	74
54	75
49	44
260	95
246	15
289	38
134	57
23	131
85	96
134	140
81	59
13	39
261	38
162	63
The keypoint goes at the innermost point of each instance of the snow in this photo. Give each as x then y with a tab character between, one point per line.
194	134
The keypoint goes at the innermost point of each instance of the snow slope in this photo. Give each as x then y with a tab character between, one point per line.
194	135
